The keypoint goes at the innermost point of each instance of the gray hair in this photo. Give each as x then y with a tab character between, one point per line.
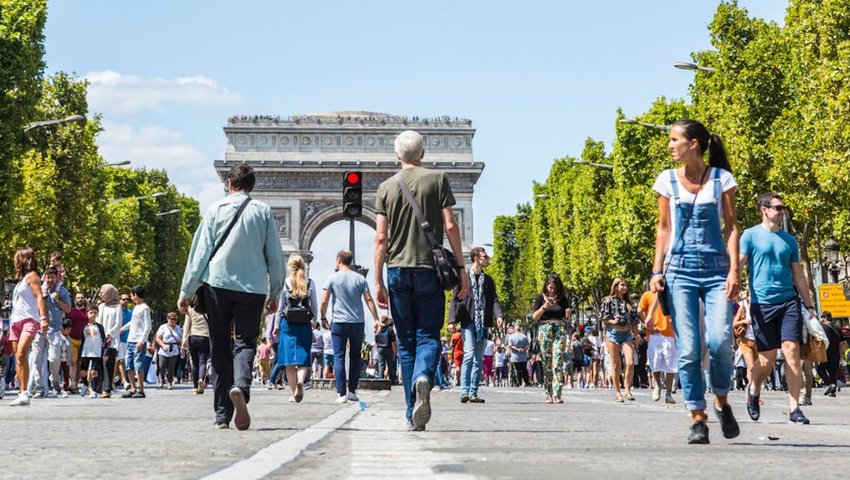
409	146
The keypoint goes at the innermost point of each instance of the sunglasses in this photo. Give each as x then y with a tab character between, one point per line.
778	208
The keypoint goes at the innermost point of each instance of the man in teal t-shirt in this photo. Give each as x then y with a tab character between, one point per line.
772	256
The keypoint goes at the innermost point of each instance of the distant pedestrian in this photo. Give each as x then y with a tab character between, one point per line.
29	317
386	350
661	347
139	330
196	338
297	310
94	343
620	316
168	338
348	289
110	315
518	344
245	275
552	310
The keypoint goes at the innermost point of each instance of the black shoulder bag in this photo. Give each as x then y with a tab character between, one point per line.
444	260
197	301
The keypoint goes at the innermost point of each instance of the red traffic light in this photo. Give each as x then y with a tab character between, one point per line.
352	177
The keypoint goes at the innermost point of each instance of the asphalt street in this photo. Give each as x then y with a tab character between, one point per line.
514	435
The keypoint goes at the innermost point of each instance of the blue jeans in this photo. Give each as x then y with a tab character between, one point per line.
418	305
473	354
689	282
351	333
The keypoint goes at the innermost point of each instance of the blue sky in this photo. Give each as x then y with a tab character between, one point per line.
536	78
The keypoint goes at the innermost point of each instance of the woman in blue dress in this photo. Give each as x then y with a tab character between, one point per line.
298	308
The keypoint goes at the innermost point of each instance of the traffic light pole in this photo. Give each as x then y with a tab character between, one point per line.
351	241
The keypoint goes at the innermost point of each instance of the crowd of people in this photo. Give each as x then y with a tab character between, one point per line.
690	330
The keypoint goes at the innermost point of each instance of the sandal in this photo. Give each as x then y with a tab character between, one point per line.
548	400
629	396
618	398
559	400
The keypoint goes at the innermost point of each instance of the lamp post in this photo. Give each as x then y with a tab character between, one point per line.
45	123
141	197
599	165
632	121
693	66
833	254
117	164
170	212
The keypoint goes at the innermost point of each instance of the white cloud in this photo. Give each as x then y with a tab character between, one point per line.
115	93
157	147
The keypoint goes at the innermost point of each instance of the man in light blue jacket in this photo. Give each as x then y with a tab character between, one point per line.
245	274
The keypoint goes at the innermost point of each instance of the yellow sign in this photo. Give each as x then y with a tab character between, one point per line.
832	300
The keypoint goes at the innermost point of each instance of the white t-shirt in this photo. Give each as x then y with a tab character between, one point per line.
663	187
171	337
92	346
500	359
328	341
489	348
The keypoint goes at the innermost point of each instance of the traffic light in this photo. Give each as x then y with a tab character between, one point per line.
352	194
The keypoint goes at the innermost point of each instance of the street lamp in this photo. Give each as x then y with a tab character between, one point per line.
541	195
632	121
599	165
45	123
117	164
141	197
693	66
170	212
833	252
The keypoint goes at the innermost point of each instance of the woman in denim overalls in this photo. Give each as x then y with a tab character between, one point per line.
700	252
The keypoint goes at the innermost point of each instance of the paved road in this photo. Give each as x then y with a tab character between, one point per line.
513	435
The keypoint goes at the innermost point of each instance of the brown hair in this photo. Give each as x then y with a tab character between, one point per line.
25	262
345	257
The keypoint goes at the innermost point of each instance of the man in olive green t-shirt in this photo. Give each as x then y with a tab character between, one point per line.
416	297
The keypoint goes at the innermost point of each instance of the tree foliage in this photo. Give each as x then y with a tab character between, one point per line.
780	102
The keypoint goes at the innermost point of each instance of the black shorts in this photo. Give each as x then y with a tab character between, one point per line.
90	363
774	323
577	365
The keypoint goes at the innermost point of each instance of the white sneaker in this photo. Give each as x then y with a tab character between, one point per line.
93	394
656	393
51	394
84	391
21	401
352	397
669	398
64	394
341	399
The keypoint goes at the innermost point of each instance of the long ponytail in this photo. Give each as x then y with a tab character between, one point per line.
695	130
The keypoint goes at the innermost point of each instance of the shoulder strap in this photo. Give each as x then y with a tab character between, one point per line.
429	232
230	227
674	184
718	190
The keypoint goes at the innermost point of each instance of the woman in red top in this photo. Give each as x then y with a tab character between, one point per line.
456	344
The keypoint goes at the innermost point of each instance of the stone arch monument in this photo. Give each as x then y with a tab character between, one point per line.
299	162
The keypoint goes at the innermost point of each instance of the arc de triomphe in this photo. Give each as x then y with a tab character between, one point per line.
299	162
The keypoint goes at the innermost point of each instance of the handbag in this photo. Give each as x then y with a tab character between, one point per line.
814	350
197	301
444	260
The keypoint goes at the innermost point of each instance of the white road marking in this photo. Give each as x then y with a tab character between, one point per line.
284	451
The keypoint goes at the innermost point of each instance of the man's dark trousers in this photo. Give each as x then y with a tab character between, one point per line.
234	321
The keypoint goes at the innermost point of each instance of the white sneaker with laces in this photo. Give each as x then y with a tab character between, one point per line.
352	397
64	394
93	394
656	392
22	400
51	394
341	399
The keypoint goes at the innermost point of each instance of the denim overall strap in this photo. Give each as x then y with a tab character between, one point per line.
718	189
674	185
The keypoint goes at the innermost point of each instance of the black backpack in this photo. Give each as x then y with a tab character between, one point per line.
382	339
298	309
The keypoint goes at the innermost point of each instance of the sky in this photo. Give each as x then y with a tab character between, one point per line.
535	78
